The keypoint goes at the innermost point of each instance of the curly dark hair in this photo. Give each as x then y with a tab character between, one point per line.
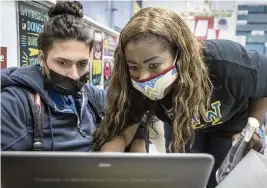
65	23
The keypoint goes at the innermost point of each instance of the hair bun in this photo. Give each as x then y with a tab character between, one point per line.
74	8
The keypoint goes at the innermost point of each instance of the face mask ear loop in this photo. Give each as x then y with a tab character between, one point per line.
175	59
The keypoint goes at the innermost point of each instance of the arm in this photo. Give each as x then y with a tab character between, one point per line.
138	146
258	91
119	143
257	94
140	140
132	136
258	108
14	133
258	105
134	139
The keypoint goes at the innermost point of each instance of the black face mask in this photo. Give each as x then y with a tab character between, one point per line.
65	85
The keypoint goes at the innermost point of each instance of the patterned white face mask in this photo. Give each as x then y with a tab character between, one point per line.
154	87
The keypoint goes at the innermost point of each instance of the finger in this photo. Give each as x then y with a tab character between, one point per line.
254	143
248	148
235	136
257	144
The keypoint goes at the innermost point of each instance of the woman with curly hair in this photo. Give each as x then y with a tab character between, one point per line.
204	90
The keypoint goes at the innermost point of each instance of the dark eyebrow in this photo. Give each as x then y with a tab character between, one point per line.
63	59
147	60
151	58
131	62
84	61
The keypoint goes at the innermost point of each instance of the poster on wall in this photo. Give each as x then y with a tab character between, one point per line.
137	5
222	23
108	66
203	24
3	57
191	23
97	58
30	21
110	44
206	28
224	26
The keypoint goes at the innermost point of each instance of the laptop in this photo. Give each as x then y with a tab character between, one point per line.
104	170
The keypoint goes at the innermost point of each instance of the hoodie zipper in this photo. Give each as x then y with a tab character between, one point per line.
81	132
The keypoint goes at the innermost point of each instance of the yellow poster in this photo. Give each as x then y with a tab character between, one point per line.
136	7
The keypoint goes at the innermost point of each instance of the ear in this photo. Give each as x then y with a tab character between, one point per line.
41	58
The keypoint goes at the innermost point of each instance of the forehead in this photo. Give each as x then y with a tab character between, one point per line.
142	49
71	50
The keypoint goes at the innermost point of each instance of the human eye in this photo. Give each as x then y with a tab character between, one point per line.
82	64
133	67
61	63
154	65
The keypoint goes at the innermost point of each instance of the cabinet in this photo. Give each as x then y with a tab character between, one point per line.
252	23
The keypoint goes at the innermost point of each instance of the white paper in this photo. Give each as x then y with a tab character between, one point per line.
201	28
191	24
224	34
242	12
241	39
211	34
241	22
257	33
98	36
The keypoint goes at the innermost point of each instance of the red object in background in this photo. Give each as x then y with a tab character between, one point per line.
217	33
3	57
107	70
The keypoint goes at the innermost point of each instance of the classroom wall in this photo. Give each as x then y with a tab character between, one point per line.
9	32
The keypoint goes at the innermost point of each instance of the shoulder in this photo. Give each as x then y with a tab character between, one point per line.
223	49
230	64
14	100
20	76
99	96
95	91
226	58
14	120
230	53
16	92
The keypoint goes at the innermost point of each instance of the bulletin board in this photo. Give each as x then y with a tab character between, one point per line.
110	44
97	69
3	57
206	28
30	22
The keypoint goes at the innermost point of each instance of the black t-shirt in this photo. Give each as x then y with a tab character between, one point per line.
237	76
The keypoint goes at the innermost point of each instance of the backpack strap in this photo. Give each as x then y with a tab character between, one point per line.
37	107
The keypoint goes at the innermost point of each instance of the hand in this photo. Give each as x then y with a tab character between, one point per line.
255	143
